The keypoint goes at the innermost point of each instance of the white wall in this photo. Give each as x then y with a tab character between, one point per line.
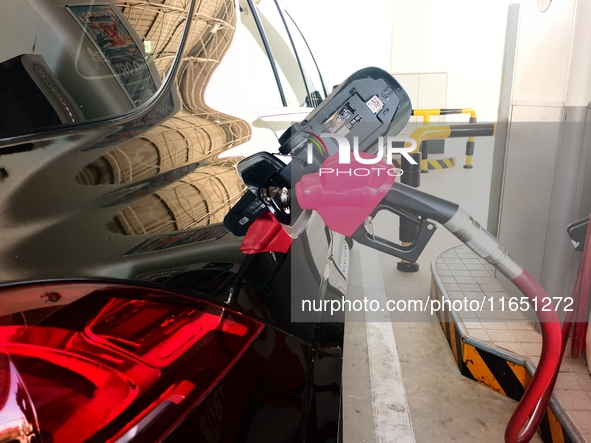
345	35
541	72
549	134
464	38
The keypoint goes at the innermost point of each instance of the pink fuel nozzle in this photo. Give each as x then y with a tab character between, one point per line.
342	197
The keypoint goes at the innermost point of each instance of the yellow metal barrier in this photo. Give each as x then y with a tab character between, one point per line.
470	130
427	113
411	175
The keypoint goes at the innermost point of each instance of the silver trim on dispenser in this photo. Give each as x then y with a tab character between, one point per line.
482	243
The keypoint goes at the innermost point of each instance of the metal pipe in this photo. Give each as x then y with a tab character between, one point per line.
407	231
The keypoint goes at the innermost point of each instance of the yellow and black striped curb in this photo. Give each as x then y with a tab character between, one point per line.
443	163
493	367
431	164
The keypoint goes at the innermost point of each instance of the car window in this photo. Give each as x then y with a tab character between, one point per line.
262	85
275	74
288	66
312	75
66	63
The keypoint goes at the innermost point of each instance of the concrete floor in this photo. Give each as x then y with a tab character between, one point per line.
399	368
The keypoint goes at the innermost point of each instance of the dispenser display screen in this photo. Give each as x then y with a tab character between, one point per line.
343	120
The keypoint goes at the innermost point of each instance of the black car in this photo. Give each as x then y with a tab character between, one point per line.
116	322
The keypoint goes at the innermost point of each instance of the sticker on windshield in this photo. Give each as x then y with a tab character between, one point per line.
116	47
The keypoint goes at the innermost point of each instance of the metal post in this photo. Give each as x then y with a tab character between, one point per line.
408	231
424	148
470	148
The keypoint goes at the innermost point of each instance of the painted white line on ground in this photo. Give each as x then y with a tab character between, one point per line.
390	407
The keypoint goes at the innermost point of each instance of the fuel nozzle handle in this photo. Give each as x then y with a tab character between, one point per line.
419	203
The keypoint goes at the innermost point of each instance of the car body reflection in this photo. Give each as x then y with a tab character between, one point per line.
18	421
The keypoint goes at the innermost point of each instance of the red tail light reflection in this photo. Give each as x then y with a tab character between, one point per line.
112	360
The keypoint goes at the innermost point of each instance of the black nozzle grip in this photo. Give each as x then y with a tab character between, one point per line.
418	203
415	207
409	252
